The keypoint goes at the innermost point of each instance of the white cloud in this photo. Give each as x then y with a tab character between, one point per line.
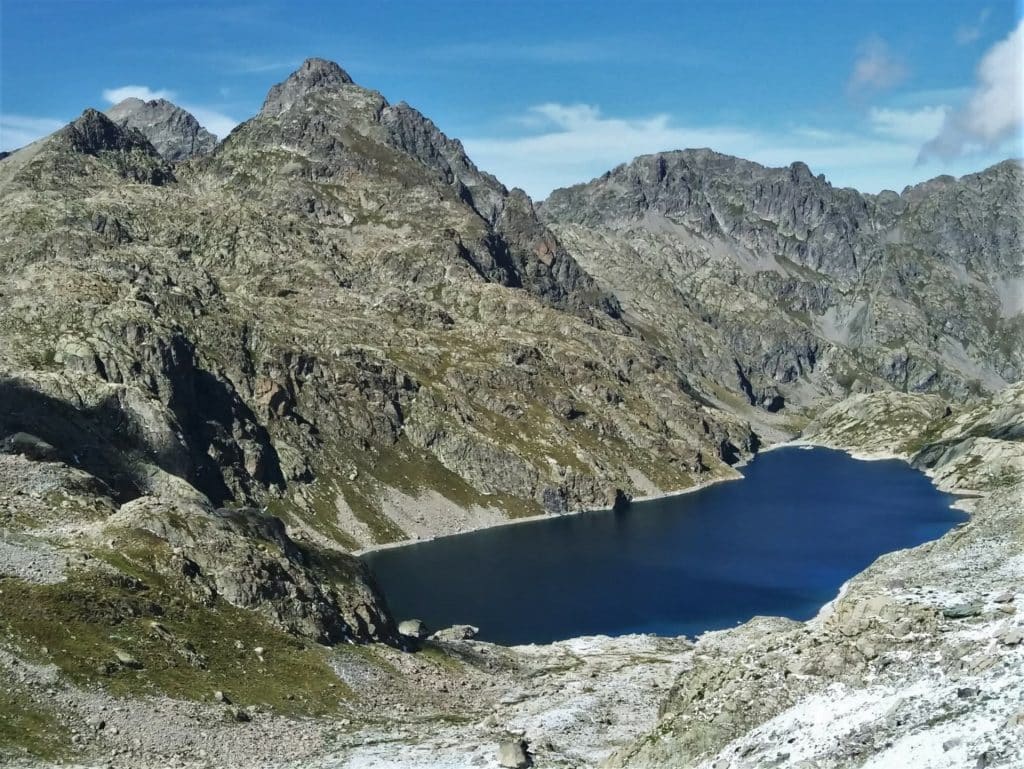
564	144
115	95
917	125
876	68
993	114
18	130
969	33
214	121
577	142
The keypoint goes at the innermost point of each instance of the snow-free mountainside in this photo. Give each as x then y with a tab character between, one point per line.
226	366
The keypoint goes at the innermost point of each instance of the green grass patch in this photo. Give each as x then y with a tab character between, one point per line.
29	731
84	622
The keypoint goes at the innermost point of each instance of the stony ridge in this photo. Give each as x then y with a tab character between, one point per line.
173	132
919	291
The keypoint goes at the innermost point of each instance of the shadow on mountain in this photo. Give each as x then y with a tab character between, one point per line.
110	442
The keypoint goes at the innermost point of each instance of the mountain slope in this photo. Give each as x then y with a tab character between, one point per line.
334	321
791	292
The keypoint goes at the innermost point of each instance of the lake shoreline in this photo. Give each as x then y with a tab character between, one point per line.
552	516
788	444
549	516
713	551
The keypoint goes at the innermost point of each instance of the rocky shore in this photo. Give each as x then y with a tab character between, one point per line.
918	662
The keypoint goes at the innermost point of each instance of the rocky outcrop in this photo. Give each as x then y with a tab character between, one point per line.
977	447
172	131
790	293
314	74
131	452
127	151
246	558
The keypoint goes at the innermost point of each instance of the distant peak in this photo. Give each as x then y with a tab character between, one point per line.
131	101
172	130
314	74
133	105
89	116
93	133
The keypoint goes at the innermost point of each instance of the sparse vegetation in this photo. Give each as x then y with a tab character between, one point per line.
197	649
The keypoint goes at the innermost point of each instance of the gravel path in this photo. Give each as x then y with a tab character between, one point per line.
30	559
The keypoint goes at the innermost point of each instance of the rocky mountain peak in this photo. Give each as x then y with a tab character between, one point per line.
126	151
314	74
93	132
174	132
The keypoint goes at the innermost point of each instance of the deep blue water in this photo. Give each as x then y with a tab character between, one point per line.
780	542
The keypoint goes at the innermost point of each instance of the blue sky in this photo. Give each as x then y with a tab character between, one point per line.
544	94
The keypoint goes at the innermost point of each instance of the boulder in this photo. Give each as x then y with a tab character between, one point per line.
456	633
1012	636
29	446
413	628
962	611
514	754
127	660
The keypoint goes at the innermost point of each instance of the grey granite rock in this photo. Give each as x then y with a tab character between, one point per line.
314	74
175	133
789	292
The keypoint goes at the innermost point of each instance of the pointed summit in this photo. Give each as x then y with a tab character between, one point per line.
125	150
314	74
92	132
174	132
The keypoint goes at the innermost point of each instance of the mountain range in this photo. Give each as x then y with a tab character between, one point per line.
227	365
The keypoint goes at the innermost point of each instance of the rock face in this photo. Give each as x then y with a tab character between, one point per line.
788	292
175	133
314	74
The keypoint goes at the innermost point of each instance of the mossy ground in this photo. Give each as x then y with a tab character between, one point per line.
28	730
82	624
412	471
